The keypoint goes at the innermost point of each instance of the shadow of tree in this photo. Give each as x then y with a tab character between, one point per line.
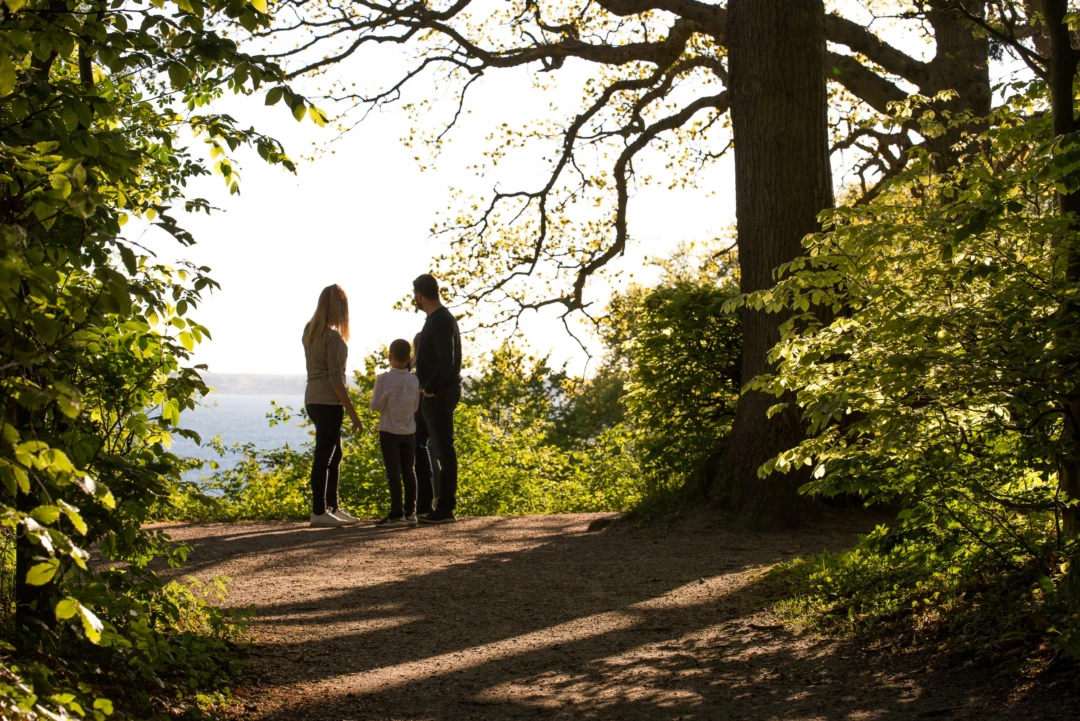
504	618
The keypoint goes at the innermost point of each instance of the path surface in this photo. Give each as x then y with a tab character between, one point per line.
539	618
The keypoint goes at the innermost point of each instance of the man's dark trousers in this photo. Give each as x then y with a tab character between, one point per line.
425	491
439	416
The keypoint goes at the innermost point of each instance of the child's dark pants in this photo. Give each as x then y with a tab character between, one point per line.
398	452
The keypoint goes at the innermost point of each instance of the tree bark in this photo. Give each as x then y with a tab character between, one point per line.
1062	67
783	179
960	63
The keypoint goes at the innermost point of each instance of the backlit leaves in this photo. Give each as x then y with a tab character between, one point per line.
929	352
41	573
98	112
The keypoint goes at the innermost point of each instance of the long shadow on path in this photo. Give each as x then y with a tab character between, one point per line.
507	618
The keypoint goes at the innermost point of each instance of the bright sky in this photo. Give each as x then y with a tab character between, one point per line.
361	216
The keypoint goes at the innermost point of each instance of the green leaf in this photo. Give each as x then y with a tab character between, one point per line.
45	515
7	74
14	5
128	256
92	625
187	340
21	478
274	95
104	705
42	573
179	76
299	110
67	608
70	118
259	5
318	116
57	461
69	406
74	516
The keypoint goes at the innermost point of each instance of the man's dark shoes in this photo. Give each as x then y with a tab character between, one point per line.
439	515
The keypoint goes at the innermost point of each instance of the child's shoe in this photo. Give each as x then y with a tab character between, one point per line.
392	522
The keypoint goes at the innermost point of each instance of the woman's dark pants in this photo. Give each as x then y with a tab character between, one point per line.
327	461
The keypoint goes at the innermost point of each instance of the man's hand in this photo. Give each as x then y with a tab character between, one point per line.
428	395
357	423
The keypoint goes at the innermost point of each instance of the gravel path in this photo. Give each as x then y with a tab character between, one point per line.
540	617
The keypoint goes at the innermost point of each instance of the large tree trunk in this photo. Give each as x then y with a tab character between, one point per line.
783	180
1062	66
960	63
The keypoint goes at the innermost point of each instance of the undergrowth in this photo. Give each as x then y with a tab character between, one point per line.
178	660
911	594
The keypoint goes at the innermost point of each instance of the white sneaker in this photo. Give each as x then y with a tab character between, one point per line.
327	520
411	520
352	520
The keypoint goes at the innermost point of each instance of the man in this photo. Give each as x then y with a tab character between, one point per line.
438	368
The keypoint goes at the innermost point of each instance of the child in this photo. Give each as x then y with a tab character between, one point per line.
396	397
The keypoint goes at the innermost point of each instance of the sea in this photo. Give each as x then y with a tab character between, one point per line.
238	418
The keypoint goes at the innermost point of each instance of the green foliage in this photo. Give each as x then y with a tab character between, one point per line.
905	592
933	352
675	353
177	656
590	406
508	463
684	379
94	101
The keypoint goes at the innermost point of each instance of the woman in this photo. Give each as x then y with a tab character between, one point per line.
327	400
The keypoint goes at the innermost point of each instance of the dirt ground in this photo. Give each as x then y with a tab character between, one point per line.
540	617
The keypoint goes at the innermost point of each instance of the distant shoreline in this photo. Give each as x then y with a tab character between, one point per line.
255	384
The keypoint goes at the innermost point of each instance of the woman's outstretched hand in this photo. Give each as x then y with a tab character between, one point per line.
358	425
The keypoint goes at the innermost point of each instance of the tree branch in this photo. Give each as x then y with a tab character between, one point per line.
864	83
843	31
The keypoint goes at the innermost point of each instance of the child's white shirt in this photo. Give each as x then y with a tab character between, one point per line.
396	397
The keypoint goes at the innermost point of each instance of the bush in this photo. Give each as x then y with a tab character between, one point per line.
98	337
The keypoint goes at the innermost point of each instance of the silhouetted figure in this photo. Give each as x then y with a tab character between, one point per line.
438	368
